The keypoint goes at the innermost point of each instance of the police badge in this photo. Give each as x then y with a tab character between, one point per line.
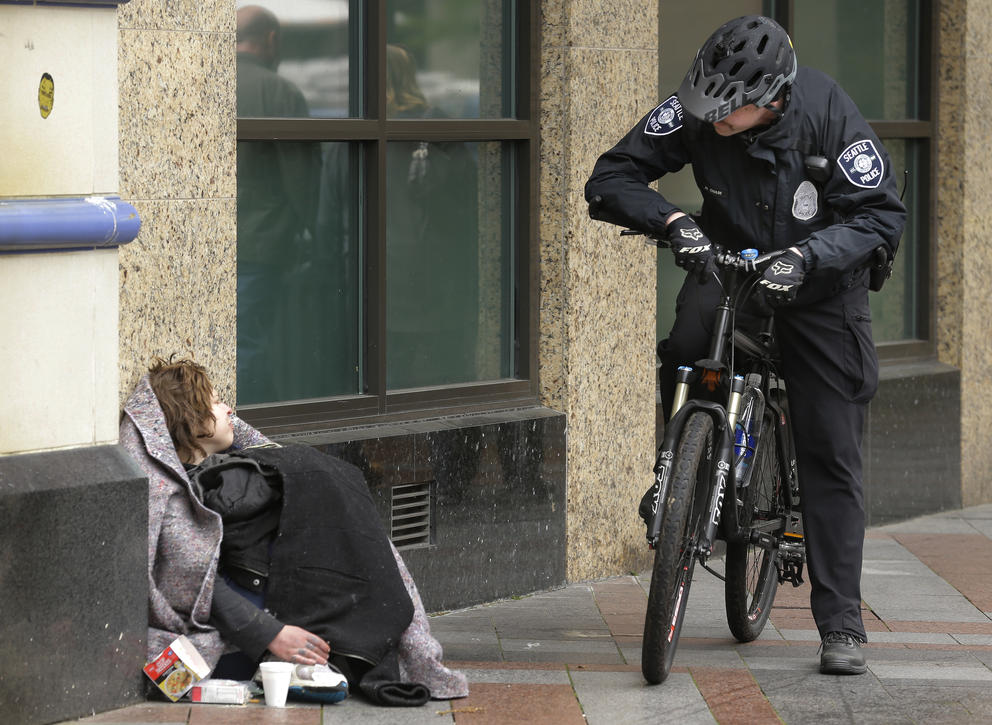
862	164
665	119
804	202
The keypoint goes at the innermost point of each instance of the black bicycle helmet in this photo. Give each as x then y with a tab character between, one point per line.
747	60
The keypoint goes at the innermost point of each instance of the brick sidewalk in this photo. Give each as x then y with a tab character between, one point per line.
572	655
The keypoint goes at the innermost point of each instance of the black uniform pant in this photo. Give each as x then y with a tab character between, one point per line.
831	372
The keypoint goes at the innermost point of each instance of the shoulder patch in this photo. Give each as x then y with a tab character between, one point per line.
665	119
862	164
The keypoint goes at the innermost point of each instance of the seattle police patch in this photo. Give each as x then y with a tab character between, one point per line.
862	164
665	119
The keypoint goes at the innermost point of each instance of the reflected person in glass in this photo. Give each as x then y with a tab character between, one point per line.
277	204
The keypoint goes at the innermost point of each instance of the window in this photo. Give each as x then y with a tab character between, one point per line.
880	53
387	152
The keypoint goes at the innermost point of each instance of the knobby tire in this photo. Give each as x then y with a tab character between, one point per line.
674	558
752	575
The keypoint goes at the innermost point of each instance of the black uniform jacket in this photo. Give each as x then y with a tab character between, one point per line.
757	190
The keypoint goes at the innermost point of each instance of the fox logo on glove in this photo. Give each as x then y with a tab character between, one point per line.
780	268
693	234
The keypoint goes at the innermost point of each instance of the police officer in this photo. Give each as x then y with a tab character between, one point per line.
783	159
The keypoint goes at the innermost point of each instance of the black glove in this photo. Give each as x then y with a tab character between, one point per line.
780	282
693	251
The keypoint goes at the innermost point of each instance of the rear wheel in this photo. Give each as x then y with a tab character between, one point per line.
674	557
752	576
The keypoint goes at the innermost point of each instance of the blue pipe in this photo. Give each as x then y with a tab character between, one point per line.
94	222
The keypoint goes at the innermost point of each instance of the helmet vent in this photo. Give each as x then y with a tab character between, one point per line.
737	68
753	80
762	43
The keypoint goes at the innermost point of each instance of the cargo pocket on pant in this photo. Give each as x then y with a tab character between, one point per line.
860	358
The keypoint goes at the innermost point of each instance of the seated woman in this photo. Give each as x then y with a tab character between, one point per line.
271	551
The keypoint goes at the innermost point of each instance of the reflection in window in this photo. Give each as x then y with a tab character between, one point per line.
873	53
448	264
460	50
298	271
305	42
894	310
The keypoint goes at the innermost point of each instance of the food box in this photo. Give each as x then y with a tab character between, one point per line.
221	692
177	668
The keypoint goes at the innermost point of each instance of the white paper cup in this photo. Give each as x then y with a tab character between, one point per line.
275	682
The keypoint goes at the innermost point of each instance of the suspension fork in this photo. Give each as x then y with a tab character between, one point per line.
721	474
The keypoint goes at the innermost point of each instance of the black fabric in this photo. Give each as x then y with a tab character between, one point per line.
240	621
249	499
750	184
381	683
332	569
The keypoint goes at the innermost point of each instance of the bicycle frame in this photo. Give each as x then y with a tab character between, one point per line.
723	480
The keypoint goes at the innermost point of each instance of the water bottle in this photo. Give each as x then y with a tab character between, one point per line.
743	449
746	433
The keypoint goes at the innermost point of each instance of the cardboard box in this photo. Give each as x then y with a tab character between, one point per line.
220	692
177	668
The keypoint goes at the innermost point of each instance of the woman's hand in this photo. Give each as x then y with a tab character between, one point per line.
297	645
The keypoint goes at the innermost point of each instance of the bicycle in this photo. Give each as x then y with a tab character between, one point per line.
711	454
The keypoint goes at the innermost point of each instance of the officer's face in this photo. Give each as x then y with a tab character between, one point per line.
743	119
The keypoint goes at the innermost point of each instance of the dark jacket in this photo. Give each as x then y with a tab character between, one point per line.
307	521
757	190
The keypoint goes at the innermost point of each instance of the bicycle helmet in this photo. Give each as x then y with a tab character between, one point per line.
747	60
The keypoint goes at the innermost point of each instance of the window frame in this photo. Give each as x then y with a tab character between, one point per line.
912	129
371	131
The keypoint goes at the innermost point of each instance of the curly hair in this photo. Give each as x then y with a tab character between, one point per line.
185	393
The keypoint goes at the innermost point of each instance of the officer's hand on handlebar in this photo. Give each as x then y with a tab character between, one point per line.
693	251
780	282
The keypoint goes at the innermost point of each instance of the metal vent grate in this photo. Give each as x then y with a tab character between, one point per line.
411	519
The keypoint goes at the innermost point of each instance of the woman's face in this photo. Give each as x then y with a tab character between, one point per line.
222	435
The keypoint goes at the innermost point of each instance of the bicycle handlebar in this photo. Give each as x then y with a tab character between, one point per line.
879	265
725	259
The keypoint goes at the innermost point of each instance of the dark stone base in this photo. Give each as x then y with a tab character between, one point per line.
499	499
912	449
73	583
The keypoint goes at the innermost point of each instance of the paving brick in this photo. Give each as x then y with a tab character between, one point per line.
733	696
160	713
963	560
504	704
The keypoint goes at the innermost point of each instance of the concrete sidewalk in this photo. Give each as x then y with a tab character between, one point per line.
572	655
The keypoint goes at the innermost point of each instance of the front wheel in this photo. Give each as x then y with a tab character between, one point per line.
675	555
752	576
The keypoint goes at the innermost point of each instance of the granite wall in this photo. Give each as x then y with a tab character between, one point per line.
176	64
597	313
497	516
964	219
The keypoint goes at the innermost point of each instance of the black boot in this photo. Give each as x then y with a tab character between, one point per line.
840	654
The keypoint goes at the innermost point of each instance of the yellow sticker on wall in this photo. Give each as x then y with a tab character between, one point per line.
46	94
